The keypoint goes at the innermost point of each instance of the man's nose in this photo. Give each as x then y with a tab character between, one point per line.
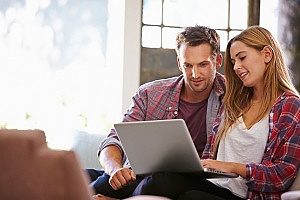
195	72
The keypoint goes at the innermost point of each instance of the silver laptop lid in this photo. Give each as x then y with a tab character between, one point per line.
159	146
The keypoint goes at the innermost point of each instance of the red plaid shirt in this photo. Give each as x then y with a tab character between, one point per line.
281	159
159	100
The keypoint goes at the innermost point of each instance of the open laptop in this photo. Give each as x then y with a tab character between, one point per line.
162	146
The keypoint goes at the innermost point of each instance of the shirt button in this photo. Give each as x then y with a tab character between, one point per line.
175	112
170	108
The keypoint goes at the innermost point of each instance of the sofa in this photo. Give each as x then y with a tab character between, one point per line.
30	170
85	145
294	191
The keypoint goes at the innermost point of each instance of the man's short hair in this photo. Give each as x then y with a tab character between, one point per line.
196	35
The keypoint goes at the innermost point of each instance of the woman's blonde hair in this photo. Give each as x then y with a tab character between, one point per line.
276	79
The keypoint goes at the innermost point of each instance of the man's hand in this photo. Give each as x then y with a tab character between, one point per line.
111	160
121	177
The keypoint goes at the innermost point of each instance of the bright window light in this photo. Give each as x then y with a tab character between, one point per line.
54	70
151	36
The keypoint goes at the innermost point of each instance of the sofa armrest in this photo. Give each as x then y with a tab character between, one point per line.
291	195
85	145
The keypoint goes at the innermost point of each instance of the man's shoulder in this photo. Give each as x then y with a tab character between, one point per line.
219	85
165	83
220	78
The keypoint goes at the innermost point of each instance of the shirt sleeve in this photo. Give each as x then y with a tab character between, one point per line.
281	159
208	152
136	112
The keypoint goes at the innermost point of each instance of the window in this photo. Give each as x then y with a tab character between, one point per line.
163	19
56	73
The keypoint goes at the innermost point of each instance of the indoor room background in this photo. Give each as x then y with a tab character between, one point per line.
73	65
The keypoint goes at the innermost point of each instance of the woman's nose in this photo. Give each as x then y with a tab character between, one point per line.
236	66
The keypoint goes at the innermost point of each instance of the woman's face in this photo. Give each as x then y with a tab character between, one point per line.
249	64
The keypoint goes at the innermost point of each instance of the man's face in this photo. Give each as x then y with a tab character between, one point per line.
198	67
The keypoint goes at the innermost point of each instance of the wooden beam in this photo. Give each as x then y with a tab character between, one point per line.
253	12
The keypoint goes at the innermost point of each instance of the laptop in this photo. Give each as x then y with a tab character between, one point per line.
162	146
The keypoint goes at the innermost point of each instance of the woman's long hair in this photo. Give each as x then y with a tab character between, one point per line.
276	79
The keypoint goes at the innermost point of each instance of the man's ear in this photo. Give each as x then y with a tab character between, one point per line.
268	53
178	64
219	61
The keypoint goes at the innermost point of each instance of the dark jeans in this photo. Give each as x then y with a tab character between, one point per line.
171	185
99	182
182	186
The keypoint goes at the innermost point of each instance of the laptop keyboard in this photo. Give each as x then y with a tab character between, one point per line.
215	171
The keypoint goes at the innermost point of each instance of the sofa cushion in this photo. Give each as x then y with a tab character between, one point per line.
30	170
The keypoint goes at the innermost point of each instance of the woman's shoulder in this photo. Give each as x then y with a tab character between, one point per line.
287	104
288	98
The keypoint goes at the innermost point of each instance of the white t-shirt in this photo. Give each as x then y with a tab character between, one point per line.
242	145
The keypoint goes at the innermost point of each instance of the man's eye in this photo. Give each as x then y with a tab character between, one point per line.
242	58
187	66
203	64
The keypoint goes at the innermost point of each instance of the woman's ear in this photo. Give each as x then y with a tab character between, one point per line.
268	53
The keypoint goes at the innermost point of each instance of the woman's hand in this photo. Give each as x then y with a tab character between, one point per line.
231	167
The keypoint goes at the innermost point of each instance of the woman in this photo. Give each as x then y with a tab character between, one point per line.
258	134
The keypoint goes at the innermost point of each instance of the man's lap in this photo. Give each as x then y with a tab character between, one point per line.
100	183
171	185
174	185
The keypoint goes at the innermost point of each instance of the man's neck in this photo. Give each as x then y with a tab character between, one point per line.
194	97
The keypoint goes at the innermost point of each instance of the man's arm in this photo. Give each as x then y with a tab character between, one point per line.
111	155
111	159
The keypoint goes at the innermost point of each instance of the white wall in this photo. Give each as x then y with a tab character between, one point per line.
132	53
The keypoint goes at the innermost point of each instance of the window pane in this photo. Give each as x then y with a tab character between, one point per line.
233	33
152	12
151	36
238	14
269	12
181	13
169	37
223	39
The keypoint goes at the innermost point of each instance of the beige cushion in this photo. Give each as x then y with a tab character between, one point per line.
296	183
86	145
291	195
147	197
30	170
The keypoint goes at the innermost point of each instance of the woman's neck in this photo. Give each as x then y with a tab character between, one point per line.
258	95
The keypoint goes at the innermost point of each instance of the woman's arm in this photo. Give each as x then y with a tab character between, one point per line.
281	159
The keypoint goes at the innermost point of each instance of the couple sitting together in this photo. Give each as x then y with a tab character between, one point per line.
245	122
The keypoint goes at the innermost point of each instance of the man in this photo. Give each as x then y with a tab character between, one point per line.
194	96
